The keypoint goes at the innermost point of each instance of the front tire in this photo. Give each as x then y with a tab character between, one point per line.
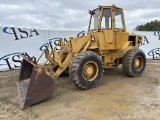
86	70
134	63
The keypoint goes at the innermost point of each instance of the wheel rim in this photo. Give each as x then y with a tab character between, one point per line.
138	63
90	70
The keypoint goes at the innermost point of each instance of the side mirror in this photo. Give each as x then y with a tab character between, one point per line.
99	7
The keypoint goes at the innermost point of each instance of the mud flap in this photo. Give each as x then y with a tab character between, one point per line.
34	85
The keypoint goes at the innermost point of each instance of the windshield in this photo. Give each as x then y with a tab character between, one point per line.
94	19
106	22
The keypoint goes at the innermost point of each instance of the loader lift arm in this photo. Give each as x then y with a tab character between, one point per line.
63	58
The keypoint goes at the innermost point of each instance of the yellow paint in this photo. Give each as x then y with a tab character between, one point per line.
110	44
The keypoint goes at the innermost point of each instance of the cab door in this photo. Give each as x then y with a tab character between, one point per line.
106	25
121	36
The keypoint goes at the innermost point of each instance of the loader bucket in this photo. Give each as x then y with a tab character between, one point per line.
34	85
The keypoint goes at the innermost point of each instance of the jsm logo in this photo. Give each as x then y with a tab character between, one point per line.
12	61
144	41
52	43
55	42
157	34
155	53
20	33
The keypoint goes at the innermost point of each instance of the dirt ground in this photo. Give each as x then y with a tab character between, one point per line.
117	97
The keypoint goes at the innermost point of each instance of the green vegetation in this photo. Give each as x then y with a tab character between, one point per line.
150	26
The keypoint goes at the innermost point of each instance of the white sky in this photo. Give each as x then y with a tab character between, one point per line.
71	14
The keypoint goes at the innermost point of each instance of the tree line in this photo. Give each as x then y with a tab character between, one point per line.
150	26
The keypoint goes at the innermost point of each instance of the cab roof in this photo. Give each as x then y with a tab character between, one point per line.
113	6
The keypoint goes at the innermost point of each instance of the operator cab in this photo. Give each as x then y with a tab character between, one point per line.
103	18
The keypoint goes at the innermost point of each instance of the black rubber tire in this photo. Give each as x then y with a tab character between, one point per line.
75	70
128	62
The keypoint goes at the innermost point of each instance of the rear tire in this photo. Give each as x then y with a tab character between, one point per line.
86	70
134	63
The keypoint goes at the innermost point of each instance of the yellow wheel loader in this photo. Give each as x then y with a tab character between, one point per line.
106	45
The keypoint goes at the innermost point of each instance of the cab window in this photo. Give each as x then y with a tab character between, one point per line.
106	22
118	19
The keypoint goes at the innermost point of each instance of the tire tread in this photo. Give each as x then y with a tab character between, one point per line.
74	66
